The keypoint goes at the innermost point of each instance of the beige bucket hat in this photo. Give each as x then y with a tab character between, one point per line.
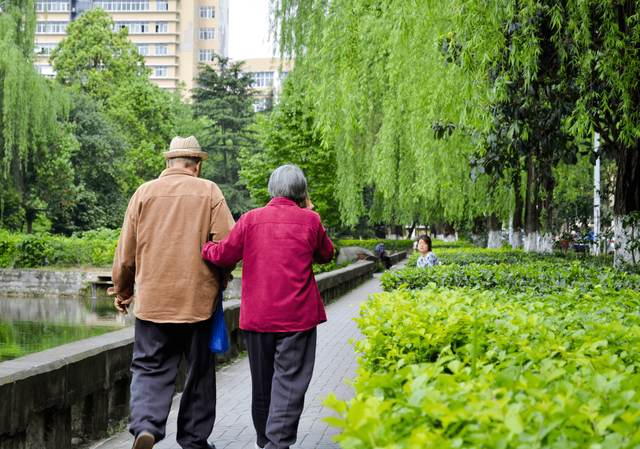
188	147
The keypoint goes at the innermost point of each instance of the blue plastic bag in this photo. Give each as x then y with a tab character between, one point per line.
219	341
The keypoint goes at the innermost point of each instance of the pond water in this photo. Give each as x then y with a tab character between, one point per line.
29	325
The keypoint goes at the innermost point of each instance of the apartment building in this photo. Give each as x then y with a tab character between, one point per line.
173	35
268	75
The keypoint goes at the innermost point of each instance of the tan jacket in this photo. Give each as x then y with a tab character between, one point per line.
167	223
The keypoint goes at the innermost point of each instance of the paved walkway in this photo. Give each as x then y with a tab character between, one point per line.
335	362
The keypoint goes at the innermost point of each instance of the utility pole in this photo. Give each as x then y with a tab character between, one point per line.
596	197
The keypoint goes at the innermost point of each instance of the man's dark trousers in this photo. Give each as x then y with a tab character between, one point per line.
281	366
157	353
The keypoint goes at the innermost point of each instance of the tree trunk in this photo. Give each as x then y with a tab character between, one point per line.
411	229
626	199
545	242
532	209
516	240
447	233
495	235
479	231
30	216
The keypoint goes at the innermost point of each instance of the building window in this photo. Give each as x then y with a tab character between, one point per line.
162	5
122	5
261	105
143	49
207	12
160	71
206	55
52	5
162	27
206	34
262	79
283	75
134	27
44	49
46	70
51	27
162	49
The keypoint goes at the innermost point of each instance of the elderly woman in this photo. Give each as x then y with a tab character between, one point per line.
281	304
427	259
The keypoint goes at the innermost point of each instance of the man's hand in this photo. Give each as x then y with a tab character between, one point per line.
121	304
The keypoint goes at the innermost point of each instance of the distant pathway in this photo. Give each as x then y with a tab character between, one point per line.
335	362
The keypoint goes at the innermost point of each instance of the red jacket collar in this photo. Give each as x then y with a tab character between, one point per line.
281	201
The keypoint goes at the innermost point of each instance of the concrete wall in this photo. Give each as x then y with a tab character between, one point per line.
70	395
43	283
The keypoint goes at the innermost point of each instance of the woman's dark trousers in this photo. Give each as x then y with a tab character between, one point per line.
281	368
157	352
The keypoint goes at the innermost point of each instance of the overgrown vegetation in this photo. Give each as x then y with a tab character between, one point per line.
537	352
91	248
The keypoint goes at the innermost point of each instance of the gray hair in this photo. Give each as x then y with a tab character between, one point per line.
188	161
288	181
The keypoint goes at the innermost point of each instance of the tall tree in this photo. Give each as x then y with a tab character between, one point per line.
224	96
288	136
35	145
99	171
383	94
359	52
103	63
94	58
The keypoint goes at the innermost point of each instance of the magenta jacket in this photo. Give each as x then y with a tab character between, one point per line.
277	244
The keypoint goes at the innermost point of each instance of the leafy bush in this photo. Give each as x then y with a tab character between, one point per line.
390	245
317	269
483	256
466	368
540	277
35	250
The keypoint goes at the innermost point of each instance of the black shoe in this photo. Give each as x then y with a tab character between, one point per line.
144	440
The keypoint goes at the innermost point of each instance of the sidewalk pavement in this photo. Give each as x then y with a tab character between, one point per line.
335	362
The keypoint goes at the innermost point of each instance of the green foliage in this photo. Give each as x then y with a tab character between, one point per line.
553	371
146	114
317	269
35	173
94	248
540	277
389	245
94	58
104	64
479	256
224	98
408	93
98	172
288	136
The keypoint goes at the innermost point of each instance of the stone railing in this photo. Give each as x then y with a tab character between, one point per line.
70	395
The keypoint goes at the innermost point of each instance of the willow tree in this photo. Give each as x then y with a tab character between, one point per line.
383	93
364	54
35	146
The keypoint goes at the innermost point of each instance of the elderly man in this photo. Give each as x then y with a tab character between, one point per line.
166	225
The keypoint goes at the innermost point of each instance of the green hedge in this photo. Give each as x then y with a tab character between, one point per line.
540	277
483	256
390	245
464	368
94	248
